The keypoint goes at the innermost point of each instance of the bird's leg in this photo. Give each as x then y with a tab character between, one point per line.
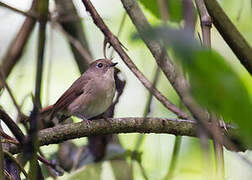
84	119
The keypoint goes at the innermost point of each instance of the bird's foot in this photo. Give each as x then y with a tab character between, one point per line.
84	119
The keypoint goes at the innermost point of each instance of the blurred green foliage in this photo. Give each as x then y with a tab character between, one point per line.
213	82
174	7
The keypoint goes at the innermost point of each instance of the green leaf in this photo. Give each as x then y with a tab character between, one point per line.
174	7
152	6
214	84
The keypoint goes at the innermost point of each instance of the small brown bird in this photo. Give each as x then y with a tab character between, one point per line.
90	95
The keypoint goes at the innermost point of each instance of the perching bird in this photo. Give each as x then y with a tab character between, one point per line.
90	95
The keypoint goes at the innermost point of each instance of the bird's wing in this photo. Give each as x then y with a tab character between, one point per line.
71	94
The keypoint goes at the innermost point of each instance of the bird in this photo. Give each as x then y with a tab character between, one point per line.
90	95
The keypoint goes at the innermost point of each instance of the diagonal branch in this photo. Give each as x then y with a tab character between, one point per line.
117	46
16	131
75	30
230	34
16	48
28	14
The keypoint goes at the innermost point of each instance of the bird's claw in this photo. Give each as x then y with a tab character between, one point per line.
87	121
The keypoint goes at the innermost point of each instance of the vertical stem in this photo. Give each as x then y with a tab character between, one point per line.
31	147
205	146
206	24
174	159
189	16
41	48
147	108
119	31
16	48
218	149
205	21
219	158
35	170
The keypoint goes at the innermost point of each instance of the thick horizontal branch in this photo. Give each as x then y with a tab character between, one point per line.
65	132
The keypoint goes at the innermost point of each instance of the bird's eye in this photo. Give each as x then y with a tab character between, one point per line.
100	65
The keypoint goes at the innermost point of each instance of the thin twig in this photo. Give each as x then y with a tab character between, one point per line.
3	80
16	131
119	32
7	175
10	141
66	8
76	43
143	170
147	108
249	162
28	14
16	162
173	163
16	48
6	136
117	46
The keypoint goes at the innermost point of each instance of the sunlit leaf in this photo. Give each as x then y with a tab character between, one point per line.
174	9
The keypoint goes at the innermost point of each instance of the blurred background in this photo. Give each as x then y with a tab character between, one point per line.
156	149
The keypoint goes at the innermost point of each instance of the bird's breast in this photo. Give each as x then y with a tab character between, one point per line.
95	100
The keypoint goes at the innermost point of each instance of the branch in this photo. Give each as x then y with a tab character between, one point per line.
17	46
65	132
230	34
16	131
117	46
28	14
75	32
206	24
83	56
176	79
205	21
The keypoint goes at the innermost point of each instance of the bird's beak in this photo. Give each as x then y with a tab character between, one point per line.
113	64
